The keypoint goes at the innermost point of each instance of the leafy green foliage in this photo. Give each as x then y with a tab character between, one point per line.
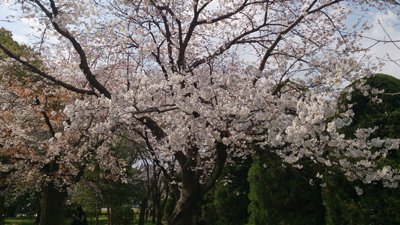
208	211
384	115
169	206
377	205
227	203
123	215
27	205
231	199
282	195
22	51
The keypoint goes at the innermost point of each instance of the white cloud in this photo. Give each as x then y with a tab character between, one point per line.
385	29
20	28
20	39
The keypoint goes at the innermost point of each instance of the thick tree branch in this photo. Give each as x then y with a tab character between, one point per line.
157	131
84	66
226	16
47	120
219	166
44	75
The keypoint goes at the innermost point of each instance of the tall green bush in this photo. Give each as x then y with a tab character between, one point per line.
281	194
377	205
227	202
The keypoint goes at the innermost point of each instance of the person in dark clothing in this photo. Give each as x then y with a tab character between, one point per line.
79	218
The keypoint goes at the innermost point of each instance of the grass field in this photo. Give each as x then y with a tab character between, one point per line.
19	220
25	221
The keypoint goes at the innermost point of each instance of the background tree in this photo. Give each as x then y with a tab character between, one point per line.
372	108
98	188
31	120
227	202
283	194
16	89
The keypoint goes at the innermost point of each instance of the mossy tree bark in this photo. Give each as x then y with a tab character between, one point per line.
52	206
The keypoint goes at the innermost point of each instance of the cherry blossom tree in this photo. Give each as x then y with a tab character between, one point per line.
195	82
22	97
30	121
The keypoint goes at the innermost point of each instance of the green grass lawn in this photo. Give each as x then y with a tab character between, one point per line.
102	221
19	220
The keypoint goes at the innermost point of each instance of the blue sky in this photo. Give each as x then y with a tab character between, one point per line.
386	27
20	29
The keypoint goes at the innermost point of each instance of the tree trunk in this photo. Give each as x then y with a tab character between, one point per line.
142	211
3	176
108	215
159	216
110	210
98	208
160	210
2	201
192	191
37	220
112	215
97	213
185	209
154	208
52	206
